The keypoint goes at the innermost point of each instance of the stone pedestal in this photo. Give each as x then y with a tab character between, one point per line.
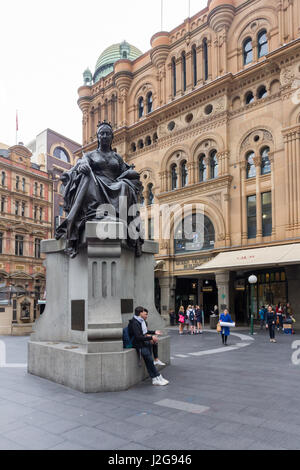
78	339
222	281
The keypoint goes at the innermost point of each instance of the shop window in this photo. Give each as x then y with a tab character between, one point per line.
194	59
202	169
265	162
282	276
213	161
262	43
184	174
194	233
205	58
183	62
251	216
174	176
149	102
174	75
266	203
19	245
141	107
250	170
247	51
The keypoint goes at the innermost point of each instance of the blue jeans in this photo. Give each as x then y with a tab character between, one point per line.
148	358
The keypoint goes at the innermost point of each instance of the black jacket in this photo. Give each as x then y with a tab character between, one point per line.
136	332
271	317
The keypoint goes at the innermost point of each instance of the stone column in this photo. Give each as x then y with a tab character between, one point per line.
222	281
271	158
179	85
189	74
200	67
209	54
167	296
244	203
257	162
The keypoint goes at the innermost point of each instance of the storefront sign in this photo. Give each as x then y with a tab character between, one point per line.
189	264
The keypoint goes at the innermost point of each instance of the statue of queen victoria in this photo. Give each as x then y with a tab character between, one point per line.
100	179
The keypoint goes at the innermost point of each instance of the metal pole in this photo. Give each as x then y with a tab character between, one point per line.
162	8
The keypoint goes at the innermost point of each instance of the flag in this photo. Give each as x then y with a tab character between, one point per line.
17	122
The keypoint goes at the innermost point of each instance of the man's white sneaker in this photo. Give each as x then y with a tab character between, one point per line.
162	380
158	362
158	381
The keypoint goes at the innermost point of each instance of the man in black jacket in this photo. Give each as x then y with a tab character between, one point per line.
142	341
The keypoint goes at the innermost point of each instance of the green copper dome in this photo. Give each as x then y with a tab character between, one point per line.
105	63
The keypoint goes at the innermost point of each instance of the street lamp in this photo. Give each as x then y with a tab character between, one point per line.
252	281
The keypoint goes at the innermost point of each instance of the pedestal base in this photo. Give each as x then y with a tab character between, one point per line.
72	365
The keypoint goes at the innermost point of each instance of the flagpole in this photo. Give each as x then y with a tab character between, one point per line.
17	127
189	8
161	16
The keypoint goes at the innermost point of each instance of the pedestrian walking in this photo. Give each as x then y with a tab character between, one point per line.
172	317
225	331
271	322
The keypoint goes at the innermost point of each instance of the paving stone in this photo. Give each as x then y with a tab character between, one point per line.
34	438
95	438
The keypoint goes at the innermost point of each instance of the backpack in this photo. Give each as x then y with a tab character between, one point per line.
127	340
191	315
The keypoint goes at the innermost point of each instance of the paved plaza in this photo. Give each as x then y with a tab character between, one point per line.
243	396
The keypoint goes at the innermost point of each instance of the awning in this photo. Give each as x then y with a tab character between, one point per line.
253	258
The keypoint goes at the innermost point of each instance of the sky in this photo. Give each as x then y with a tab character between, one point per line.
46	46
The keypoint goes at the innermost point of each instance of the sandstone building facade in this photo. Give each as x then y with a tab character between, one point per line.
26	197
210	117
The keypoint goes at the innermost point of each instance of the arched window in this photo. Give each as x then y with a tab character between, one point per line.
17	182
194	233
174	176
194	58
262	44
3	178
142	199
262	92
213	161
35	189
155	137
23	184
184	174
149	102
133	147
205	59
249	98
202	169
251	170
265	162
183	62
60	153
141	107
148	140
140	144
150	194
174	75
248	51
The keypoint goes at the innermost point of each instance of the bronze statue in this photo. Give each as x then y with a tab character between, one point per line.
100	177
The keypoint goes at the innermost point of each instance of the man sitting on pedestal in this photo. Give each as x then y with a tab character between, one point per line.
143	341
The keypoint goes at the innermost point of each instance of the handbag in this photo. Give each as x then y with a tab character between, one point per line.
219	328
181	318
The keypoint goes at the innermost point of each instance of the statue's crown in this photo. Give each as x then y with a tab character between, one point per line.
104	123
